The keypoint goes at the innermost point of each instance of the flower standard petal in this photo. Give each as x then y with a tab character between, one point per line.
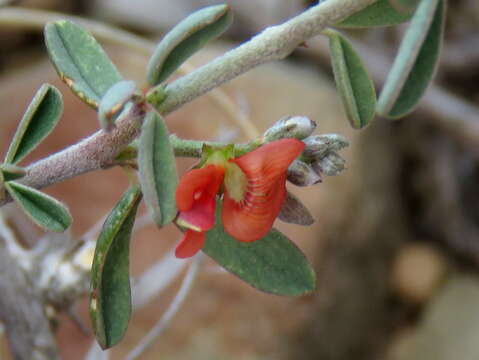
191	243
251	218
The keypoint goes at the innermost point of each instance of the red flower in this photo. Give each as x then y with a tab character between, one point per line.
254	191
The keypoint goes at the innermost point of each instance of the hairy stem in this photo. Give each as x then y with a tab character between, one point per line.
272	44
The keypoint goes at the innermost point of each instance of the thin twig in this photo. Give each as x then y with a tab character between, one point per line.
175	305
274	43
156	278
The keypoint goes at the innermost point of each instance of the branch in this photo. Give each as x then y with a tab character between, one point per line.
274	43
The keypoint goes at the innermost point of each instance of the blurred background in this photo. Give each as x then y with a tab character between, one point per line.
396	239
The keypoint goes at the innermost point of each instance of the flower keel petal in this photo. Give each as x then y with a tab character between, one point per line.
191	243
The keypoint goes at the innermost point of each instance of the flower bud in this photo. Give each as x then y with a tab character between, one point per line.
331	164
297	127
301	174
318	146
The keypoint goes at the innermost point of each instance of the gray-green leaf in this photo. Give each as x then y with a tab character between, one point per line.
11	172
110	299
157	169
416	62
80	61
272	264
42	209
113	101
186	38
381	13
39	120
352	81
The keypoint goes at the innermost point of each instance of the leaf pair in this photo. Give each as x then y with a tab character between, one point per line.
413	67
39	120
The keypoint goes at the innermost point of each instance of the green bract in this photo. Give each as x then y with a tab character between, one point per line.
352	80
186	38
80	61
39	120
110	299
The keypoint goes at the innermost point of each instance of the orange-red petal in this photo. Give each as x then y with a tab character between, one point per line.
191	243
265	168
204	182
196	197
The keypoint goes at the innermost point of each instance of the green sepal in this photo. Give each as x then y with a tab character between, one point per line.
42	209
157	169
416	61
185	39
380	13
110	297
352	81
39	120
80	61
273	264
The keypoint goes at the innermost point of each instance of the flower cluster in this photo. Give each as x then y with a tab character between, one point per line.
253	187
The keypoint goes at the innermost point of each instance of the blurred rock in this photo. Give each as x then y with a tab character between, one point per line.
450	326
417	272
159	15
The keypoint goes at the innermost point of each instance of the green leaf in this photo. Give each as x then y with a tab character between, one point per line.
352	81
186	38
157	169
113	102
110	299
381	13
80	61
41	208
416	62
39	120
11	172
272	264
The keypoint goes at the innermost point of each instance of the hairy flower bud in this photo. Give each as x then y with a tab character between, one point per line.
301	174
331	164
318	146
297	127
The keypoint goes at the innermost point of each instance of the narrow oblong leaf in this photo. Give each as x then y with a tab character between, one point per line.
416	61
273	264
42	209
354	85
11	172
186	38
39	120
380	13
157	169
113	101
294	212
110	298
80	61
